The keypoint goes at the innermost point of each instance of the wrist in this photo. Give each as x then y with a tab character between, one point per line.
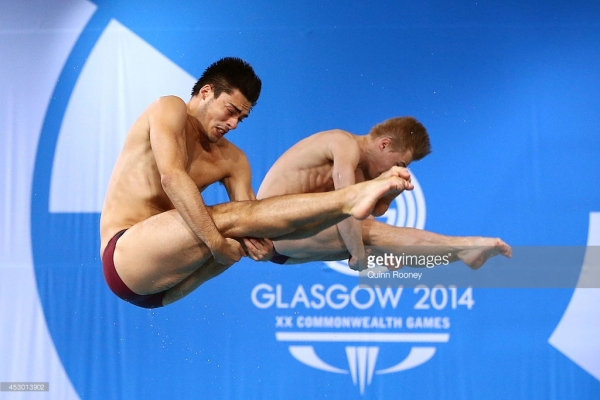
215	242
359	253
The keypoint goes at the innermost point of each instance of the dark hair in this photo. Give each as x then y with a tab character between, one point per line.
405	133
228	74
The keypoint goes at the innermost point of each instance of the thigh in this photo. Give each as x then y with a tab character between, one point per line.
209	270
157	253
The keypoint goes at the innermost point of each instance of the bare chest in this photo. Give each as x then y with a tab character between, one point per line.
207	166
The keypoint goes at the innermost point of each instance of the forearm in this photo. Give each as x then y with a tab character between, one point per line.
350	230
188	201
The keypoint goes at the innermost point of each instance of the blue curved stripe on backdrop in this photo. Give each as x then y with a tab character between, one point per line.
64	245
508	95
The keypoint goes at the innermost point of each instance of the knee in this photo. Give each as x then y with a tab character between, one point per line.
368	225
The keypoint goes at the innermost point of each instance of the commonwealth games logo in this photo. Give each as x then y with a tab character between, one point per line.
361	353
366	342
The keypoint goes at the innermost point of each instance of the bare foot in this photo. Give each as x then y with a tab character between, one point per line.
481	249
374	195
396	171
384	203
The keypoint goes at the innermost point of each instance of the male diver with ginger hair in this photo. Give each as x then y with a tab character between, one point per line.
335	159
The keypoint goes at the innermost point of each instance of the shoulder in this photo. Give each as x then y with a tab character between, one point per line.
338	140
335	137
328	145
338	134
231	152
167	113
326	139
169	106
170	101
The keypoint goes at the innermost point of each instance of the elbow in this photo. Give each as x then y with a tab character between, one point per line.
342	179
167	180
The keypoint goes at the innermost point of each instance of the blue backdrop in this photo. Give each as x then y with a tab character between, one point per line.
508	92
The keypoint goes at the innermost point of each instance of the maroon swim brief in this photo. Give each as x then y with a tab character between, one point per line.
116	284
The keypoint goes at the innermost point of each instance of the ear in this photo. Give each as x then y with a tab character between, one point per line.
385	143
205	91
